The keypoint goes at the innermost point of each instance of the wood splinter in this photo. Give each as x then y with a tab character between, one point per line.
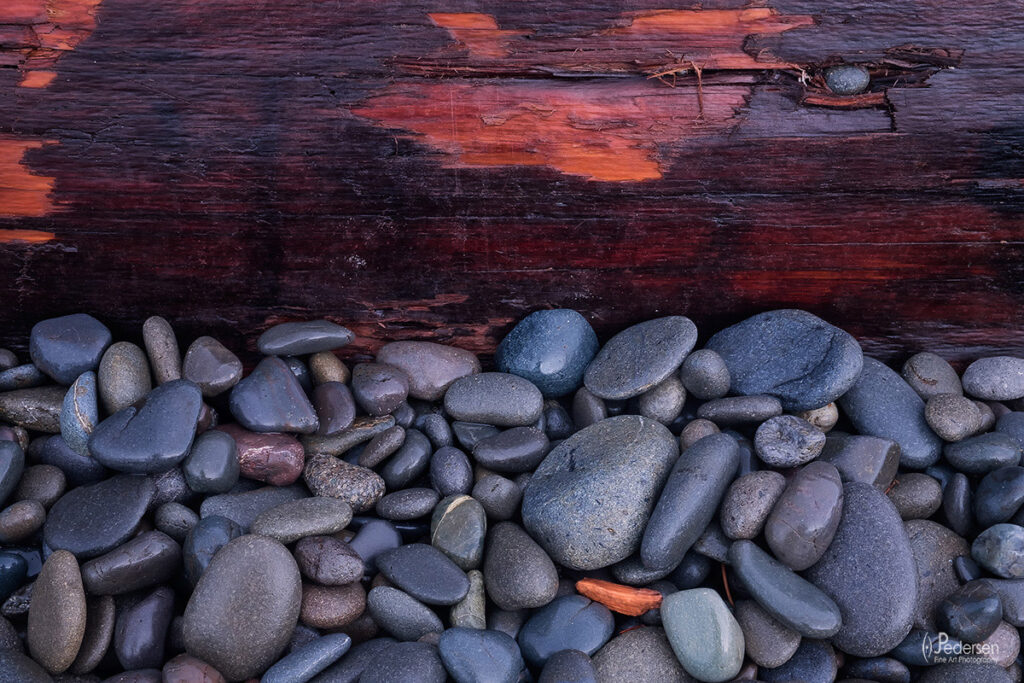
618	598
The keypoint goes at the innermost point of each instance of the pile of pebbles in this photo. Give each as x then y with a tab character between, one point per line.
773	506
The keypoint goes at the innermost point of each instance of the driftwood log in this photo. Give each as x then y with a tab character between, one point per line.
436	171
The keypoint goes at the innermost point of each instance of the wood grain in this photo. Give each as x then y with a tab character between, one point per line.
418	170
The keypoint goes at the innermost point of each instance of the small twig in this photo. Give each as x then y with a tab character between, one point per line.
725	582
700	91
894	484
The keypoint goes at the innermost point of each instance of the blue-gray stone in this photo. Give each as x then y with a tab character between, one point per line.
400	614
868	459
406	662
469	434
983	453
307	661
572	622
882	404
13	572
153	438
212	366
972	613
375	537
813	662
473	655
450	471
999	495
640	357
568	666
1012	424
515	450
703	633
884	669
16	667
517	572
847	79
301	338
212	464
208	536
79	469
66	347
22	377
80	413
12	464
271	399
425	573
870	573
999	378
588	502
792	354
494	398
1000	549
91	520
688	500
409	461
963	671
243	507
141	630
351	667
550	348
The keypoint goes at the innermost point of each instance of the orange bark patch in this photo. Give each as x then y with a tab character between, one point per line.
25	236
22	193
39	32
618	598
478	32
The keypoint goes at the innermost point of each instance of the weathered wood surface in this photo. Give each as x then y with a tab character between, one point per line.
422	170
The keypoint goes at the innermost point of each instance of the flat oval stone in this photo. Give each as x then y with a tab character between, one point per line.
971	614
450	471
571	622
472	655
212	366
241	626
409	462
515	450
401	615
379	388
804	520
22	377
767	642
640	357
930	375
272	458
306	662
748	501
302	338
406	662
328	560
568	665
212	464
458	528
494	398
12	464
789	598
80	413
431	368
935	549
983	453
295	519
66	347
622	462
425	573
1000	549
79	469
150	558
243	507
209	535
916	496
882	404
869	571
551	348
999	495
332	607
154	438
42	483
408	504
734	411
37	409
271	399
689	500
335	408
642	655
123	377
999	378
91	520
518	574
790	354
703	633
788	441
141	630
99	631
20	520
57	614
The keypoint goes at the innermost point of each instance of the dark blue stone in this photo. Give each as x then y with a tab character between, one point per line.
79	469
692	571
271	399
66	347
22	377
90	520
983	453
406	662
967	569
212	465
203	541
1012	424
12	464
882	669
153	438
568	666
549	348
408	462
572	622
999	495
13	572
307	661
971	613
425	573
472	655
814	661
351	667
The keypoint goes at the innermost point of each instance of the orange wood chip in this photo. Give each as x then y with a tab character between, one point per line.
619	598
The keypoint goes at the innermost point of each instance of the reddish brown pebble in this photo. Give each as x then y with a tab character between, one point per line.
269	457
331	606
188	669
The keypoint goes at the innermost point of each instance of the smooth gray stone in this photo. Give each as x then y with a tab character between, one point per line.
1000	549
983	453
568	666
705	375
80	413
450	471
632	572
409	462
766	641
12	465
306	662
703	633
79	469
640	357
458	528
400	614
212	464
740	410
517	572
642	655
572	622
515	450
792	354
244	608
869	571
381	446
1011	595
271	399
141	630
351	666
499	496
91	520
437	430
212	366
472	655
408	504
379	388
22	377
785	595
814	661
431	367
406	662
36	409
952	416
957	503
587	409
847	79
551	348
66	347
123	377
868	459
804	520
175	520
748	501
209	535
930	375
425	573
972	613
302	338
153	438
882	404
916	496
244	507
295	519
999	378
662	402
935	549
788	441
689	500
622	462
150	558
494	398
162	349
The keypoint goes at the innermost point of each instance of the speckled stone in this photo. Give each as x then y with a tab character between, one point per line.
244	506
494	398
473	655
37	409
499	496
363	429
91	520
572	622
358	486
20	520
379	388
999	378
882	404
57	615
1000	549
150	558
804	520
885	669
958	673
331	607
295	519
935	548
22	377
382	446
568	666
187	669
705	375
400	614
550	348
325	367
587	409
1004	645
271	399
175	520
241	627
952	416
999	496
16	667
622	461
640	357
431	368
814	660
847	79
328	561
930	375
425	573
212	366
869	571
662	402
408	504
788	441
703	633
983	453
406	662
450	471
734	411
916	496
162	349
66	347
79	413
748	502
302	338
518	573
42	483
123	377
471	611
642	655
409	462
767	642
303	663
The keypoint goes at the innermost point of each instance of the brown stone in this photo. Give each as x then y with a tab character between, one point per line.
57	613
331	606
328	561
21	520
268	457
189	669
44	483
